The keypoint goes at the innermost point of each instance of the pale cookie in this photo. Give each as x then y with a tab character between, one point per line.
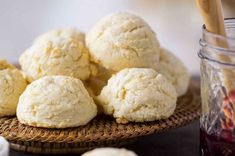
58	52
56	102
123	40
174	70
12	85
108	151
138	94
98	81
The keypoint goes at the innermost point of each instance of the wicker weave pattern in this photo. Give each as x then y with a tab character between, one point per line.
102	131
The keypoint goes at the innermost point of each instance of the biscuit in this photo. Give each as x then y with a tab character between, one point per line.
138	95
108	151
174	70
122	40
58	52
12	85
96	82
56	102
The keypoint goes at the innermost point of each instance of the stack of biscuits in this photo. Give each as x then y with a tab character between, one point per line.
118	68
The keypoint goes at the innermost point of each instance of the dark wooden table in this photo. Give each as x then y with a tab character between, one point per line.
182	141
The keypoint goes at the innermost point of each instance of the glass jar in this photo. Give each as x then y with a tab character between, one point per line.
217	122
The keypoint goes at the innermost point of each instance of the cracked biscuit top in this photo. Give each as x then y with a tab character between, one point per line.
56	102
58	52
123	40
138	94
12	84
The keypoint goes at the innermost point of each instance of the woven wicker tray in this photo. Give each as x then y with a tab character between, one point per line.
102	131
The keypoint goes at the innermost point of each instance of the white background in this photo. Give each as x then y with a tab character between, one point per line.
177	23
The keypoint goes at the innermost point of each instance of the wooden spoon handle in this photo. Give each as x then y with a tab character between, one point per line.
212	14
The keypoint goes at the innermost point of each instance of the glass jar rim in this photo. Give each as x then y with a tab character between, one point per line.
229	23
